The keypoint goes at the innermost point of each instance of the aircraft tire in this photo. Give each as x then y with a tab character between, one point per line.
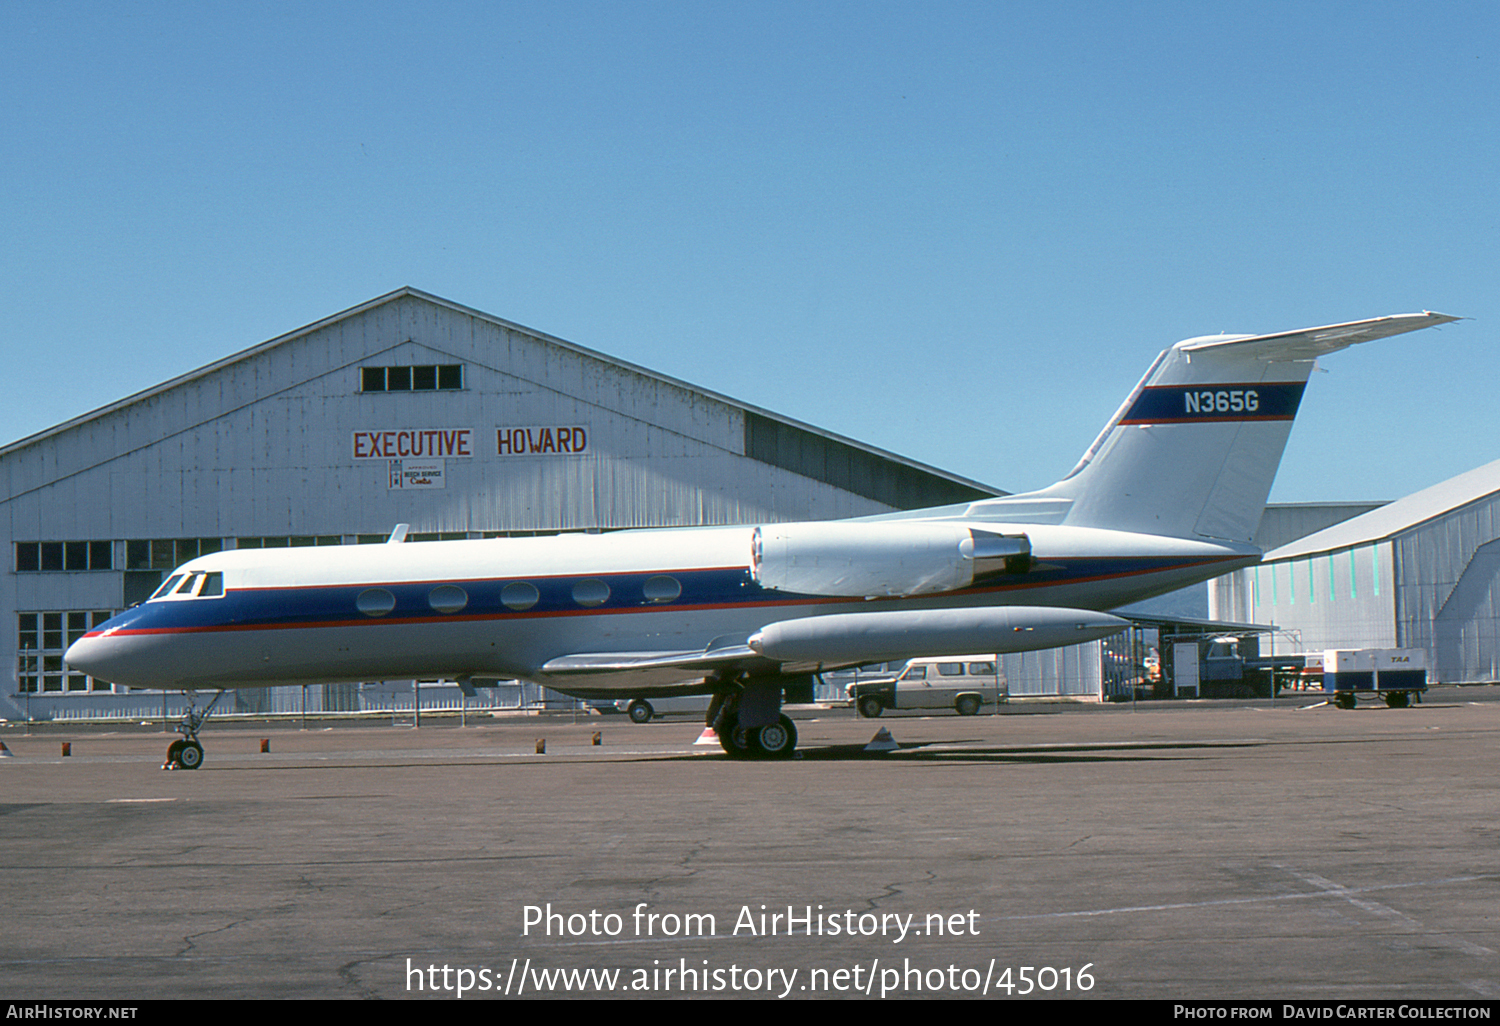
776	741
174	754
640	711
191	756
871	707
733	738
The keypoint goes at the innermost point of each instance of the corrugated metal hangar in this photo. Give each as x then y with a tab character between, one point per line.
406	409
1422	572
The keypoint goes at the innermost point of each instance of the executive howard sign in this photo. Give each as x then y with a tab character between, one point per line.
445	443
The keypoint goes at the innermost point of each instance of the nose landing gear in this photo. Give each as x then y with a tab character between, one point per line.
187	753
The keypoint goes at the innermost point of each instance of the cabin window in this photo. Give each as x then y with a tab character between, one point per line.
662	588
591	592
447	598
519	595
375	602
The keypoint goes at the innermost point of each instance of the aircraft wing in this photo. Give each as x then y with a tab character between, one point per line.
648	674
593	663
1310	343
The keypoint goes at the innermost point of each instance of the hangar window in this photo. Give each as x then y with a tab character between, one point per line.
73	555
167	553
41	640
422	377
285	541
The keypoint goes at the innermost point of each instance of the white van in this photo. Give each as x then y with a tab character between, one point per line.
964	684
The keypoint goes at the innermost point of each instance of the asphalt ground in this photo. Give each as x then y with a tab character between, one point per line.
1177	851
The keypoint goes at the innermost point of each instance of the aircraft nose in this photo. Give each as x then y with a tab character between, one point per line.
131	661
89	655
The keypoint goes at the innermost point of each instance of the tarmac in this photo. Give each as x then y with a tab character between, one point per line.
1252	850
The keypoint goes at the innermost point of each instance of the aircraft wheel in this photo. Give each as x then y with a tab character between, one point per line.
871	706
1398	699
191	756
174	754
967	705
640	711
777	740
733	738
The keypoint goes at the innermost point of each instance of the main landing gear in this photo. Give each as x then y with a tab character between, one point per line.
187	753
751	725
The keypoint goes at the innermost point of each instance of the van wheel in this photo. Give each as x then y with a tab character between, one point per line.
871	707
640	712
967	705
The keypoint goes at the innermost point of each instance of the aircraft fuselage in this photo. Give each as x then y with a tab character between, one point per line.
506	607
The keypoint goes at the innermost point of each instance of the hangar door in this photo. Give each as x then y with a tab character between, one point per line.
1466	633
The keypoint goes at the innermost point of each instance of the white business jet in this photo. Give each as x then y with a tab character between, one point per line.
1168	495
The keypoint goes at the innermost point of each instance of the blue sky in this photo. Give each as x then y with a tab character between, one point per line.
957	231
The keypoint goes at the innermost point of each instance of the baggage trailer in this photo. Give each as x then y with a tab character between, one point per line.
1345	675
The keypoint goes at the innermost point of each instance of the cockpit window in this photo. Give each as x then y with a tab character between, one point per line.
213	586
168	587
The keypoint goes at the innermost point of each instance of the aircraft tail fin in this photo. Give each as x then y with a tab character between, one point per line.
1193	450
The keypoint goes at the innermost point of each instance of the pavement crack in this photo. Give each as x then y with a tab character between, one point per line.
189	939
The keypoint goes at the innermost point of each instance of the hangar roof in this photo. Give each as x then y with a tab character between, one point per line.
769	437
1399	516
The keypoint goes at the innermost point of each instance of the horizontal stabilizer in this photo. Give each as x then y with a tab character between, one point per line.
1311	343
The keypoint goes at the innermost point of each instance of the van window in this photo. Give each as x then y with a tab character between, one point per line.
915	673
950	669
981	669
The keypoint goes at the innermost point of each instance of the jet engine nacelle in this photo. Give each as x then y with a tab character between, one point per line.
844	639
856	560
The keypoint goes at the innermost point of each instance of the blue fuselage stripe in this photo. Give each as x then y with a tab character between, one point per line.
722	588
